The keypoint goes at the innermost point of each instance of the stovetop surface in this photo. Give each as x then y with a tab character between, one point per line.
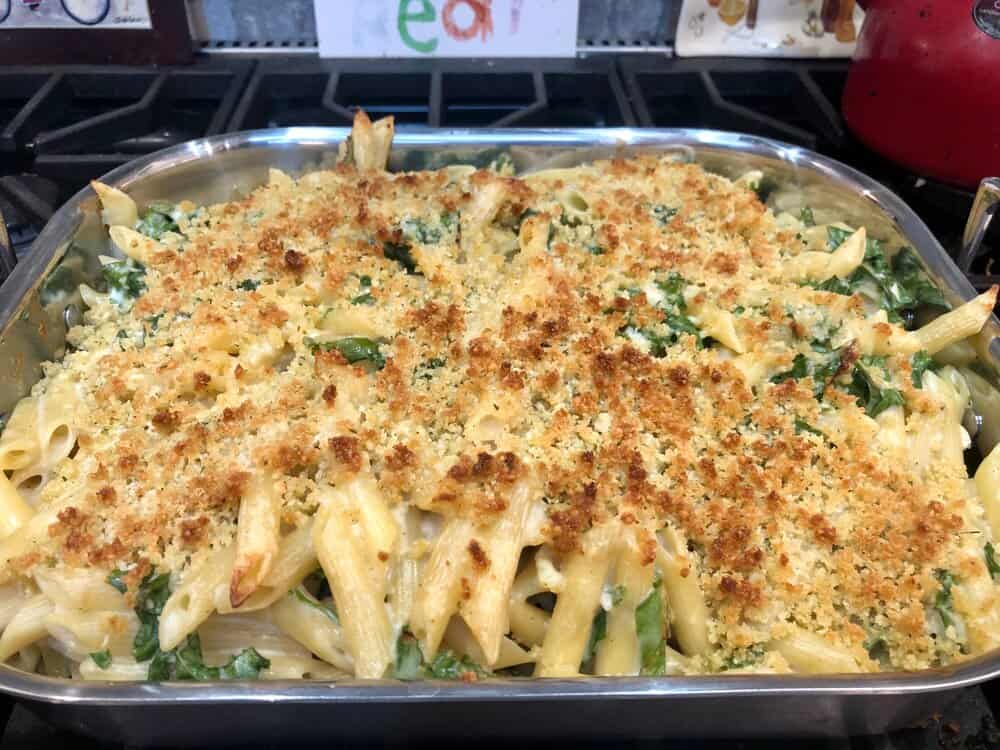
62	126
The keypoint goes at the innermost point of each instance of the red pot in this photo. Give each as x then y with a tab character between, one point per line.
924	88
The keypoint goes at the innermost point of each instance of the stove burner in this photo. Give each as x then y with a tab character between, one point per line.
84	121
570	93
788	101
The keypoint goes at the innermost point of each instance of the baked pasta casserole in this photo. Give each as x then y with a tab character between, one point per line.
618	419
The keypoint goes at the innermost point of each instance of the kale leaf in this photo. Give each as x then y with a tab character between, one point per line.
306	598
446	665
125	281
920	363
651	631
154	590
871	397
409	658
400	253
157	220
897	286
991	561
101	658
354	348
943	601
742	658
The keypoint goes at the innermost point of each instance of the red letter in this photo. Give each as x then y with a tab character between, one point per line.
482	20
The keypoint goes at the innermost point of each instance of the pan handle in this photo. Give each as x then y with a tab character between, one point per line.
986	204
7	257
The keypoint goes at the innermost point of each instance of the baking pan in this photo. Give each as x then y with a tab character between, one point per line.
39	299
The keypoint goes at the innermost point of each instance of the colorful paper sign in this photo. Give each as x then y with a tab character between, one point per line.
447	28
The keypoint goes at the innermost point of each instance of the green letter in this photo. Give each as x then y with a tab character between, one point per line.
424	15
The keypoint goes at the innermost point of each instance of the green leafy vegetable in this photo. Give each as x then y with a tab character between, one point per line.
154	590
598	632
673	306
871	397
186	663
154	321
303	596
663	214
423	370
503	163
115	580
415	229
822	368
402	255
524	216
363	299
594	249
354	348
991	561
682	324
157	220
835	236
741	658
101	658
765	188
448	666
248	285
651	631
246	665
569	220
409	658
897	286
877	646
802	425
125	280
806	216
907	268
673	290
920	363
360	349
943	603
450	220
410	665
658	343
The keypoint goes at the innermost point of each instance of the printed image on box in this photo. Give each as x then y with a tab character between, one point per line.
68	14
768	28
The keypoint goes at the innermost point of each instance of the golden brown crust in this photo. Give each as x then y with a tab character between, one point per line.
501	362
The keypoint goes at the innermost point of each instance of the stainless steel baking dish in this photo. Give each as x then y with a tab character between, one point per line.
38	299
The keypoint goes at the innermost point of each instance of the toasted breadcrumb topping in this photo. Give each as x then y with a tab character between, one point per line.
519	347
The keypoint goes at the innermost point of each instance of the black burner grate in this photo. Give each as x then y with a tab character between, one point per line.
80	122
792	101
568	93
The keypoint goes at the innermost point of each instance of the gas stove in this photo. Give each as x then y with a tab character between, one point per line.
62	126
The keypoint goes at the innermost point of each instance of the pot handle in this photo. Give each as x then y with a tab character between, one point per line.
983	207
7	257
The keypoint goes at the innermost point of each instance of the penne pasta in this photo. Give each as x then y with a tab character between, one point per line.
613	419
958	324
